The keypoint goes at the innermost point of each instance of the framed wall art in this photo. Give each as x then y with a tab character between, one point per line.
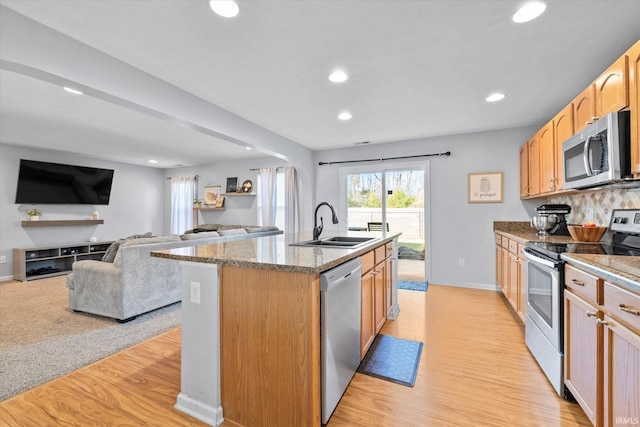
485	187
232	185
211	194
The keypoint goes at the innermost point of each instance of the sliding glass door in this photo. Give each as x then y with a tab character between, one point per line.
392	198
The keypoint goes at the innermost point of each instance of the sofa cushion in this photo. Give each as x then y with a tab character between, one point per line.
208	227
200	235
117	262
232	232
259	229
112	250
228	227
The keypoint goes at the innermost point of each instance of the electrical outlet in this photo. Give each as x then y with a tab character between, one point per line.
460	262
195	292
3	259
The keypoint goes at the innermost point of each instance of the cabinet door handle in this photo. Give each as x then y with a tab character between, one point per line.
633	311
577	282
590	314
601	322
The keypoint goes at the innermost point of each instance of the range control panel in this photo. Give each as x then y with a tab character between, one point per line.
625	221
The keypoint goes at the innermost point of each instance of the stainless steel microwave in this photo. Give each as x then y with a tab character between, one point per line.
600	154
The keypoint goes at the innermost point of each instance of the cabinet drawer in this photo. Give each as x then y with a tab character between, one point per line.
622	305
583	284
498	239
520	254
367	261
505	242
389	248
381	253
513	247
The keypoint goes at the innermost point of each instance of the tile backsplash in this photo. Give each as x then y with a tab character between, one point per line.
597	205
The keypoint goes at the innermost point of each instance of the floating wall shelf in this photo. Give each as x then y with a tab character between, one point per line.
62	223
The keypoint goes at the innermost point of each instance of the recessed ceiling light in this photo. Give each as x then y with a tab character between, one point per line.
529	11
495	97
73	91
153	161
225	8
345	115
248	148
338	76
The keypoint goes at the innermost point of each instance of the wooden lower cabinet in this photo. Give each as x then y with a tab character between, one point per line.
375	294
367	324
583	342
621	374
510	273
602	348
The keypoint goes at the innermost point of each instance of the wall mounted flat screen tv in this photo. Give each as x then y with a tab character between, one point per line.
55	183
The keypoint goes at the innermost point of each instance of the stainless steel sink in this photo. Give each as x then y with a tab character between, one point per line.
345	242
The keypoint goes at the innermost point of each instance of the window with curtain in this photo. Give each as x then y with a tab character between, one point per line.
182	195
278	198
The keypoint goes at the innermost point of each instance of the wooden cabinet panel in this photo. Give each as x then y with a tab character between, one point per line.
634	105
367	261
367	328
524	170
563	129
584	108
583	341
547	159
499	263
534	166
522	290
624	304
506	275
584	284
388	283
512	286
612	88
621	374
379	291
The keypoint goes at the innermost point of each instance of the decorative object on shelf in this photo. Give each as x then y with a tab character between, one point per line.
197	203
220	202
588	232
485	187
247	186
96	214
232	184
34	214
211	194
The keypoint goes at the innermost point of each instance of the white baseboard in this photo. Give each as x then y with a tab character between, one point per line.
199	410
481	286
6	278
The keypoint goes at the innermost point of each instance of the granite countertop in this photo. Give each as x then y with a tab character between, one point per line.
621	270
275	252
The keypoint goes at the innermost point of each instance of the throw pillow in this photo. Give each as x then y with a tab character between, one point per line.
200	235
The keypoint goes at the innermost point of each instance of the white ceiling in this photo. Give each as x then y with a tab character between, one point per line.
417	69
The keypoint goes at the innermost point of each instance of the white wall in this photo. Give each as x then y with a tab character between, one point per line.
136	204
240	210
458	229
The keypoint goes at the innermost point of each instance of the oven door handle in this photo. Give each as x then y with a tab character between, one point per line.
531	256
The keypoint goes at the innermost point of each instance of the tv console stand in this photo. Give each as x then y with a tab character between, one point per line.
38	262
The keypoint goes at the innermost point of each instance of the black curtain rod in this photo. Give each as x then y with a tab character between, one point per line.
448	153
195	176
257	169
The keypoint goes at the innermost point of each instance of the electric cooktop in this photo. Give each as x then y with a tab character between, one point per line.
625	241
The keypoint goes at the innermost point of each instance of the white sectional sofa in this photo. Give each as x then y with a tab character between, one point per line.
135	283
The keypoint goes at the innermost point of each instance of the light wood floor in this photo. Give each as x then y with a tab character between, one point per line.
475	371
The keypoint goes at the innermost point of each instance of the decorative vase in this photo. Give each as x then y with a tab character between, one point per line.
35	218
96	214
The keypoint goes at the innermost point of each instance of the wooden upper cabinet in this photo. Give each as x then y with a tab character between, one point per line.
563	129
524	170
584	108
547	159
534	166
612	88
634	105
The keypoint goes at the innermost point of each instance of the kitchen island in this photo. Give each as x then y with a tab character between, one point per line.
251	327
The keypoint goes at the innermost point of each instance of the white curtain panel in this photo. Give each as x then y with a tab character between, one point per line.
291	206
267	196
182	195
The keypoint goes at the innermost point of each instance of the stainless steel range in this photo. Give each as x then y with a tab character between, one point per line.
544	325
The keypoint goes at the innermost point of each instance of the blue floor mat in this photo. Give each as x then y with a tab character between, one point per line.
413	286
392	359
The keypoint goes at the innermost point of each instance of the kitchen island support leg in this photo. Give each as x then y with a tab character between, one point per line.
200	365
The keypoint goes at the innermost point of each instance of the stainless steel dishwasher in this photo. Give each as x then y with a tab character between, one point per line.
340	331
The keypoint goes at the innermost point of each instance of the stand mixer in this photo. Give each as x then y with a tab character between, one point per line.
551	219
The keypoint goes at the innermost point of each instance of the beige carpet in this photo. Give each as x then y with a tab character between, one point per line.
37	310
41	339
